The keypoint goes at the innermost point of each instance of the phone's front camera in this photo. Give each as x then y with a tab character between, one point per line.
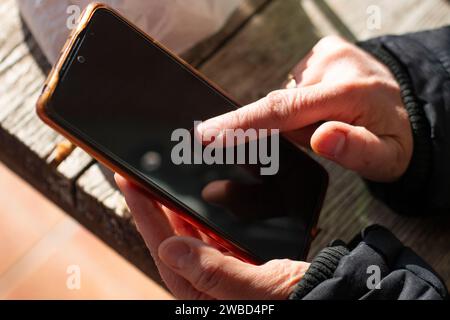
81	59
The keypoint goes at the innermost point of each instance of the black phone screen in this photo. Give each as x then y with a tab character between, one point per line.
125	96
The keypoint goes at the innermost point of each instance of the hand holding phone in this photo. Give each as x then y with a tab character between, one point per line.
193	268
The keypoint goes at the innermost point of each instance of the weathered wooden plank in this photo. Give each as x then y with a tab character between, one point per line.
18	74
66	173
258	59
9	39
25	140
243	14
355	18
21	80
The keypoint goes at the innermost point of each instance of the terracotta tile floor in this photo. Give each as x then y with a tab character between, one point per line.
44	254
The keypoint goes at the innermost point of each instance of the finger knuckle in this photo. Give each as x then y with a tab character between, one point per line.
401	159
332	51
280	267
284	273
365	151
360	88
346	88
209	277
343	51
329	41
350	89
237	119
375	83
278	106
189	293
197	295
181	290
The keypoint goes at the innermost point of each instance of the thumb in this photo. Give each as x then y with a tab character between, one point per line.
358	149
224	277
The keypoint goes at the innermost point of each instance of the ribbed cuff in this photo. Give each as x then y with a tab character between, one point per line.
406	195
322	268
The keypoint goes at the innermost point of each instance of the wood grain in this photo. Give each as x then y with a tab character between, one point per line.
258	59
202	51
27	144
352	19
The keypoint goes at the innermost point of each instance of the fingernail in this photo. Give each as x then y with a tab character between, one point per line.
208	131
332	145
175	253
203	126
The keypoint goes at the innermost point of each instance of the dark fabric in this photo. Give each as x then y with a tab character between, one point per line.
421	64
400	194
321	269
403	274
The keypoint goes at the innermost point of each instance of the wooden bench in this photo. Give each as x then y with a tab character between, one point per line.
251	56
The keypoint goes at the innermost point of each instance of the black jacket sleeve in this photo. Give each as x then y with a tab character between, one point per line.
375	265
421	63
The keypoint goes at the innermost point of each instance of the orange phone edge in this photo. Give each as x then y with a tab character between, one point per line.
46	95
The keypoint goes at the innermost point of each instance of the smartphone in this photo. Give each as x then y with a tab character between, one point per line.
118	94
